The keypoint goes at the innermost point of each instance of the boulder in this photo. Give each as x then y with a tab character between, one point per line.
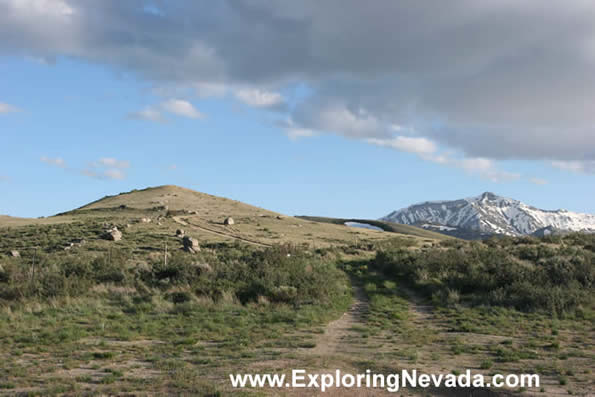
228	221
180	233
113	234
190	244
279	217
145	220
15	254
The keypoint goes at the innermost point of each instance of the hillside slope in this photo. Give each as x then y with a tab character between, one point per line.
159	211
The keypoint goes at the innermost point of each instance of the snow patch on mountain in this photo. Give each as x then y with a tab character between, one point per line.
489	213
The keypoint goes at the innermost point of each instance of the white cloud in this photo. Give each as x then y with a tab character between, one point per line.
337	118
420	146
6	108
583	167
56	161
485	168
259	98
149	114
460	74
114	163
107	168
114	174
51	8
182	108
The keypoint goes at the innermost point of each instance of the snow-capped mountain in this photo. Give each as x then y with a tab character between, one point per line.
490	214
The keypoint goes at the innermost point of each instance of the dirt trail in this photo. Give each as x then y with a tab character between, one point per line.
338	333
420	309
182	222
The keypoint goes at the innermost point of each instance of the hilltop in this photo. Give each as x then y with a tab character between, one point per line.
159	211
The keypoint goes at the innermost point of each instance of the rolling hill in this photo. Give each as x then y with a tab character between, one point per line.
159	211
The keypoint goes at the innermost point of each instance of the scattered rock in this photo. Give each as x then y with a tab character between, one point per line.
228	221
77	242
190	244
15	254
193	212
180	233
113	234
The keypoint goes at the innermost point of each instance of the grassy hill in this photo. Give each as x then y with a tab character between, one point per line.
201	216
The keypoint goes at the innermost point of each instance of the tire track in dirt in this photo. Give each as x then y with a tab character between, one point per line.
335	340
177	219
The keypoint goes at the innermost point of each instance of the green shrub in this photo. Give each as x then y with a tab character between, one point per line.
522	273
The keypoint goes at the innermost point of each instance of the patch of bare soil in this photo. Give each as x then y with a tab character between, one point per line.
337	335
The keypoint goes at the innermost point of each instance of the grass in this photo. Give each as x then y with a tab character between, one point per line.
111	317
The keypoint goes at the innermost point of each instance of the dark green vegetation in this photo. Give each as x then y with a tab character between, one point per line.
284	273
506	305
555	275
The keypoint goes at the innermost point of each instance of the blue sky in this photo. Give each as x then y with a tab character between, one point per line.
324	137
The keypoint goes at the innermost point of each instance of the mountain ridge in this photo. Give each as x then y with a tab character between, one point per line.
489	214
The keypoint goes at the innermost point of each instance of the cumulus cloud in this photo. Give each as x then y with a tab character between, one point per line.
107	168
486	169
183	108
6	108
491	79
260	98
178	107
112	162
421	146
49	8
54	161
149	114
584	167
104	168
